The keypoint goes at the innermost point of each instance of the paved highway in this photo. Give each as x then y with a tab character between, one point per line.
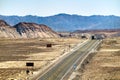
58	71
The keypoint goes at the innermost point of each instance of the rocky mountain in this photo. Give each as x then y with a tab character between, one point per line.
6	31
26	30
66	22
33	30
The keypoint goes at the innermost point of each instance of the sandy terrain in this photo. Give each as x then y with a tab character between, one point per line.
105	65
14	54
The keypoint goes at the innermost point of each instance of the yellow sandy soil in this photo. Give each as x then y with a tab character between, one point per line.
105	65
17	52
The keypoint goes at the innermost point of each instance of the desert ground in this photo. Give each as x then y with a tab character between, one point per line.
14	54
105	65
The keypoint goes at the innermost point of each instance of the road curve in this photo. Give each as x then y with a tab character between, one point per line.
60	69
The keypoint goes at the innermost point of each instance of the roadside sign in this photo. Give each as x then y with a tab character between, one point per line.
49	45
30	64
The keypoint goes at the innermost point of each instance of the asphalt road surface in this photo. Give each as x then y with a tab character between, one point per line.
58	71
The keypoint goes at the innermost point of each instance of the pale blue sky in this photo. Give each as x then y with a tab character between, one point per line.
52	7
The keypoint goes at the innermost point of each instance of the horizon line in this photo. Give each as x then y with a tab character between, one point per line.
60	14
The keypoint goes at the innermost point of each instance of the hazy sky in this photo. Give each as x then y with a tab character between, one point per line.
52	7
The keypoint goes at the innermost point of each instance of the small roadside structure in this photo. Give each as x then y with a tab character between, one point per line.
48	45
29	65
83	37
92	37
97	36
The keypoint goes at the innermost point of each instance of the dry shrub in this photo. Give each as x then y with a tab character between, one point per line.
110	42
117	53
77	77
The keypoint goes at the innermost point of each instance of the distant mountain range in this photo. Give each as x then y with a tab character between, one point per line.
66	22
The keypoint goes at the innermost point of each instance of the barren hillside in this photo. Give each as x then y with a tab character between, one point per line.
6	31
26	30
33	30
